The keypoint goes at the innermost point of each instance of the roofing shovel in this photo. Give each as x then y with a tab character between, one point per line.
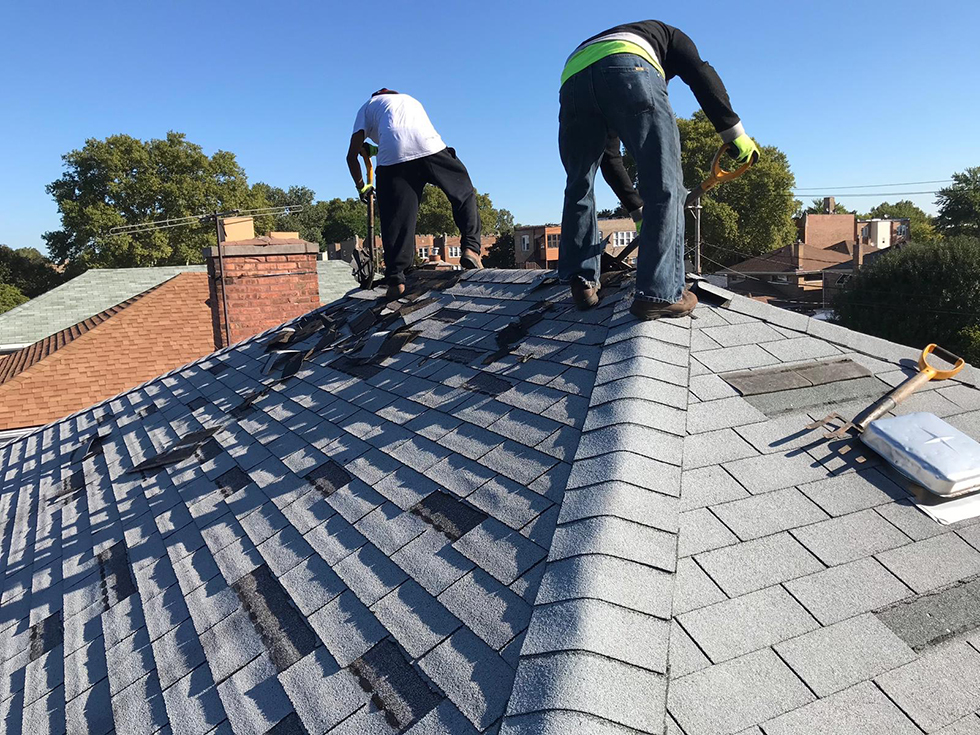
365	260
888	402
717	176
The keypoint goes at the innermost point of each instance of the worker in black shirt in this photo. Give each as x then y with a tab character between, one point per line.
615	83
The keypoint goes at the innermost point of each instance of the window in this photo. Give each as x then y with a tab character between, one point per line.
423	253
622	239
454	252
526	242
780	279
903	231
553	240
865	231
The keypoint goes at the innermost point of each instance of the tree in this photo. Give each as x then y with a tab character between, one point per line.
28	271
343	219
436	214
926	292
505	222
816	207
124	181
742	218
619	211
501	253
10	296
309	221
959	205
920	223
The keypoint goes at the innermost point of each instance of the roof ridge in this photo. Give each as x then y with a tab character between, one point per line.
582	628
27	357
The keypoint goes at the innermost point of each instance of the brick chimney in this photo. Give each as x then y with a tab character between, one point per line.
262	282
796	252
828	205
858	256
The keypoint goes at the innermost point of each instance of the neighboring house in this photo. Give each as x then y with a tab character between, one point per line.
536	246
829	229
99	289
445	248
484	511
797	276
163	326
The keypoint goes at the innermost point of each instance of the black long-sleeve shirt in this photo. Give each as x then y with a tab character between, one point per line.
679	57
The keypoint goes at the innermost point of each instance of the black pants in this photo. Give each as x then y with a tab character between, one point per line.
399	193
614	172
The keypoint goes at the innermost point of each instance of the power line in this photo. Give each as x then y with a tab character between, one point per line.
874	193
871	186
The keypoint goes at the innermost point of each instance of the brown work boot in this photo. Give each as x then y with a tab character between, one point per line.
647	310
470	261
395	291
584	295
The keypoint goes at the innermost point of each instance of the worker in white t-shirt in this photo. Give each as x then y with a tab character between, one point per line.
410	155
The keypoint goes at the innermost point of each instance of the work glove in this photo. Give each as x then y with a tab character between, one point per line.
370	149
366	191
744	149
639	224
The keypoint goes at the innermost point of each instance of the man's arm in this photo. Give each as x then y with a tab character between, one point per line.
615	174
356	142
711	94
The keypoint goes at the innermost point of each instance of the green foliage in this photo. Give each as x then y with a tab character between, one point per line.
343	219
308	222
970	343
436	214
920	224
751	215
10	296
959	205
816	207
28	271
501	253
921	293
505	222
124	181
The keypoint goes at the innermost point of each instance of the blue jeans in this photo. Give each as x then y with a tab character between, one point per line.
625	95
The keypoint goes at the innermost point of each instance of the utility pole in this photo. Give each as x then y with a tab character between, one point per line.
697	235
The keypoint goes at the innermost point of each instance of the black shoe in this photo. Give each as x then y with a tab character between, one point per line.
584	295
648	310
395	291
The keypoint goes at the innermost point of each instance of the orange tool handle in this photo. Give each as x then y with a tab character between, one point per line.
718	175
936	373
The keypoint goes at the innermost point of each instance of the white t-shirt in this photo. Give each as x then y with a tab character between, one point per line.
397	123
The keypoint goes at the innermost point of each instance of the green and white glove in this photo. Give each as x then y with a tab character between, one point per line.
365	191
747	150
372	150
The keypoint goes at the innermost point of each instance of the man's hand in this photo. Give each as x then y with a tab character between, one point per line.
745	150
365	192
370	149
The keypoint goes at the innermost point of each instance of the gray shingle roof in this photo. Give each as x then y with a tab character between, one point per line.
483	512
101	288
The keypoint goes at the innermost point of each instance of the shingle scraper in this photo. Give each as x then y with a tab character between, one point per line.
921	446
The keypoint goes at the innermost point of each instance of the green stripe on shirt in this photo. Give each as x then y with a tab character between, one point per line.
595	51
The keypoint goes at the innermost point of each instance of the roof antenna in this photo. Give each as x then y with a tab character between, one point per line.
201	219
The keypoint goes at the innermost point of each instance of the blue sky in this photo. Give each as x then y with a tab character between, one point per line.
861	93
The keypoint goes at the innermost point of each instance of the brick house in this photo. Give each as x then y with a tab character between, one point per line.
536	246
445	247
